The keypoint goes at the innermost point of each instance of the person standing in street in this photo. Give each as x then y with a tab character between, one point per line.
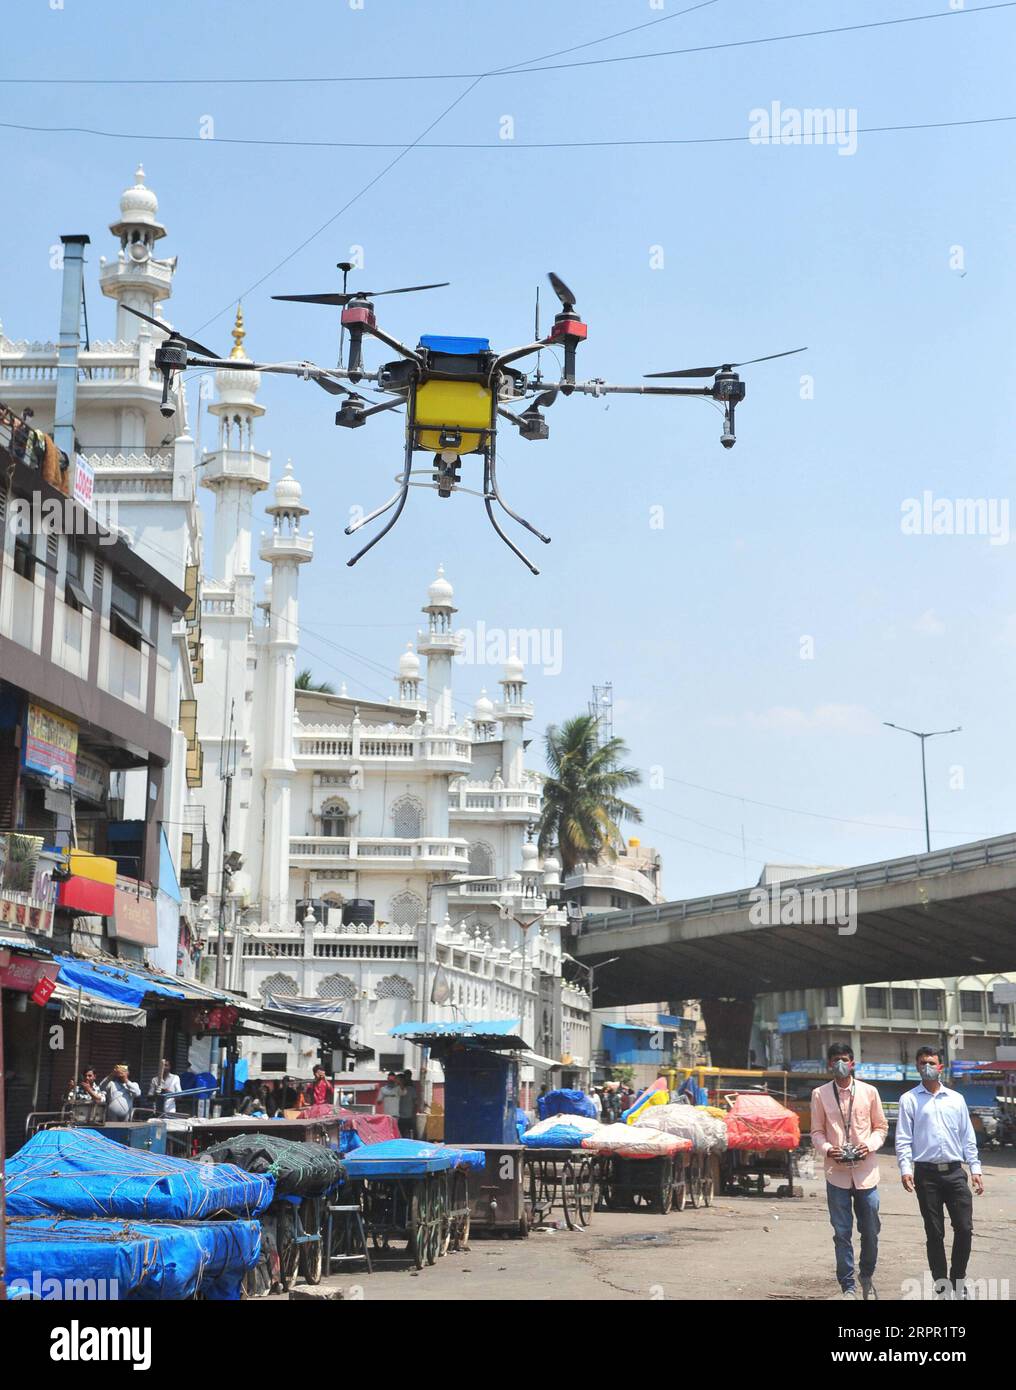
848	1127
121	1093
934	1138
167	1085
407	1107
390	1096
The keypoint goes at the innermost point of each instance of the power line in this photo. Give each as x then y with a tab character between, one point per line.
815	815
517	70
420	144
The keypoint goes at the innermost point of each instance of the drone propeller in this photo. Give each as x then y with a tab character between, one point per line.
168	328
341	298
562	291
725	366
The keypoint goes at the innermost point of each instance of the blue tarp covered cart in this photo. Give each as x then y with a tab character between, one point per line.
69	1258
77	1172
413	1192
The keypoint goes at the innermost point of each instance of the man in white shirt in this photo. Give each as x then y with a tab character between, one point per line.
390	1096
121	1093
167	1085
934	1138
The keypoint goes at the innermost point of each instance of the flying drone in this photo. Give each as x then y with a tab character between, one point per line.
454	391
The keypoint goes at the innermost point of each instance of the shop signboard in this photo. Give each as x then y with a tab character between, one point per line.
50	744
27	890
135	916
795	1021
23	974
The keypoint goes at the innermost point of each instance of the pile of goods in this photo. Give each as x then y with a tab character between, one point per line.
560	1131
409	1157
708	1134
635	1141
564	1102
90	1218
758	1122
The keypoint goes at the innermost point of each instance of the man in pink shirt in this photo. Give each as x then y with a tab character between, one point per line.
848	1125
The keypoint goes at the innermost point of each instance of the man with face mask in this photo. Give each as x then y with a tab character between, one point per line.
934	1138
848	1126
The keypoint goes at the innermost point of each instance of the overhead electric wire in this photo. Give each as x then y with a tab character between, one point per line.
519	69
828	137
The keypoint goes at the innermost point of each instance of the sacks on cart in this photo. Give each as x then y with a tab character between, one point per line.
300	1169
757	1122
635	1141
78	1172
560	1132
563	1102
707	1134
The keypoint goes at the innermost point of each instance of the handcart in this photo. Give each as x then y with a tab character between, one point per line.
746	1170
659	1183
418	1198
568	1179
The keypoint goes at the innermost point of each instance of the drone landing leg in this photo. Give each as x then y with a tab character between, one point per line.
492	471
487	499
378	511
401	495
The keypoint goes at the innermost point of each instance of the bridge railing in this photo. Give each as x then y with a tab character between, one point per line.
1000	849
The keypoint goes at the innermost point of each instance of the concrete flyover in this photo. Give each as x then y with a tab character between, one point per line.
951	912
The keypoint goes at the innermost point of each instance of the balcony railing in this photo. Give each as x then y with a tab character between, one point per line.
344	849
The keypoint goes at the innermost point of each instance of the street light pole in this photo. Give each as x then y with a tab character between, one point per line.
934	733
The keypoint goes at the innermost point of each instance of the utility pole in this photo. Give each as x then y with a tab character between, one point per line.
935	733
226	872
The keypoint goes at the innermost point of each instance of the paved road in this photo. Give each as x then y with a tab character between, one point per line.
740	1248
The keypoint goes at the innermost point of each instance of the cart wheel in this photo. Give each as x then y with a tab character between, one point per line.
586	1190
289	1251
693	1177
311	1253
707	1187
417	1229
680	1195
460	1202
663	1199
437	1244
569	1196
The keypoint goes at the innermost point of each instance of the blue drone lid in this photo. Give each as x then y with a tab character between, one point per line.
455	347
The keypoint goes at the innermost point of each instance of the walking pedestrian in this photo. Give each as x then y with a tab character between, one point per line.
848	1126
934	1138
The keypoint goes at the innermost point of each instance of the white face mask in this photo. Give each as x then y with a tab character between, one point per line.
929	1071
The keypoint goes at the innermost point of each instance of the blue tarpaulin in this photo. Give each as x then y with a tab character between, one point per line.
565	1103
55	1257
456	347
77	1172
111	982
408	1158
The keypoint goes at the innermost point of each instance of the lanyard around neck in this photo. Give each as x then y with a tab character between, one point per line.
850	1107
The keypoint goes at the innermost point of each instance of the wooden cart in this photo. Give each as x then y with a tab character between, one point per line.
427	1209
564	1179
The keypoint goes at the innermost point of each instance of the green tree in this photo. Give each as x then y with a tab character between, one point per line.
581	793
305	681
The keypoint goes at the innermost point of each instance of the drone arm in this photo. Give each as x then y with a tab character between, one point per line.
515	353
393	343
305	369
601	388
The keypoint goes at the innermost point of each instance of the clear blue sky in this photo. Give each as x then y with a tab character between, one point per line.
794	533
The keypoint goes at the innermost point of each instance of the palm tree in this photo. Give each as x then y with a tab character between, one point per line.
305	681
581	805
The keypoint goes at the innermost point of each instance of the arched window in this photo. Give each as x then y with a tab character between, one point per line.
406	910
395	987
337	987
407	818
481	859
280	984
335	817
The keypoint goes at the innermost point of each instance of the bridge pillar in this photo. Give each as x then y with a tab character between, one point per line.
728	1030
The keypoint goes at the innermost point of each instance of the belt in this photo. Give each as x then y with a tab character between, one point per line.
939	1167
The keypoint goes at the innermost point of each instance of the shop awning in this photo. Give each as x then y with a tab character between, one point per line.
93	1009
112	982
494	1034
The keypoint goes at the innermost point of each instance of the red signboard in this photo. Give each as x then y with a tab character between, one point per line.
43	989
85	895
23	973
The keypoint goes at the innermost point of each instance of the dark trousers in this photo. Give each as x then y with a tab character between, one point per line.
406	1127
936	1193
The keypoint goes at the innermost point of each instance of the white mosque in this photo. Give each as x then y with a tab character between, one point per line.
349	819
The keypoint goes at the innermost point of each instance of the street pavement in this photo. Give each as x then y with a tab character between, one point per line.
750	1247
